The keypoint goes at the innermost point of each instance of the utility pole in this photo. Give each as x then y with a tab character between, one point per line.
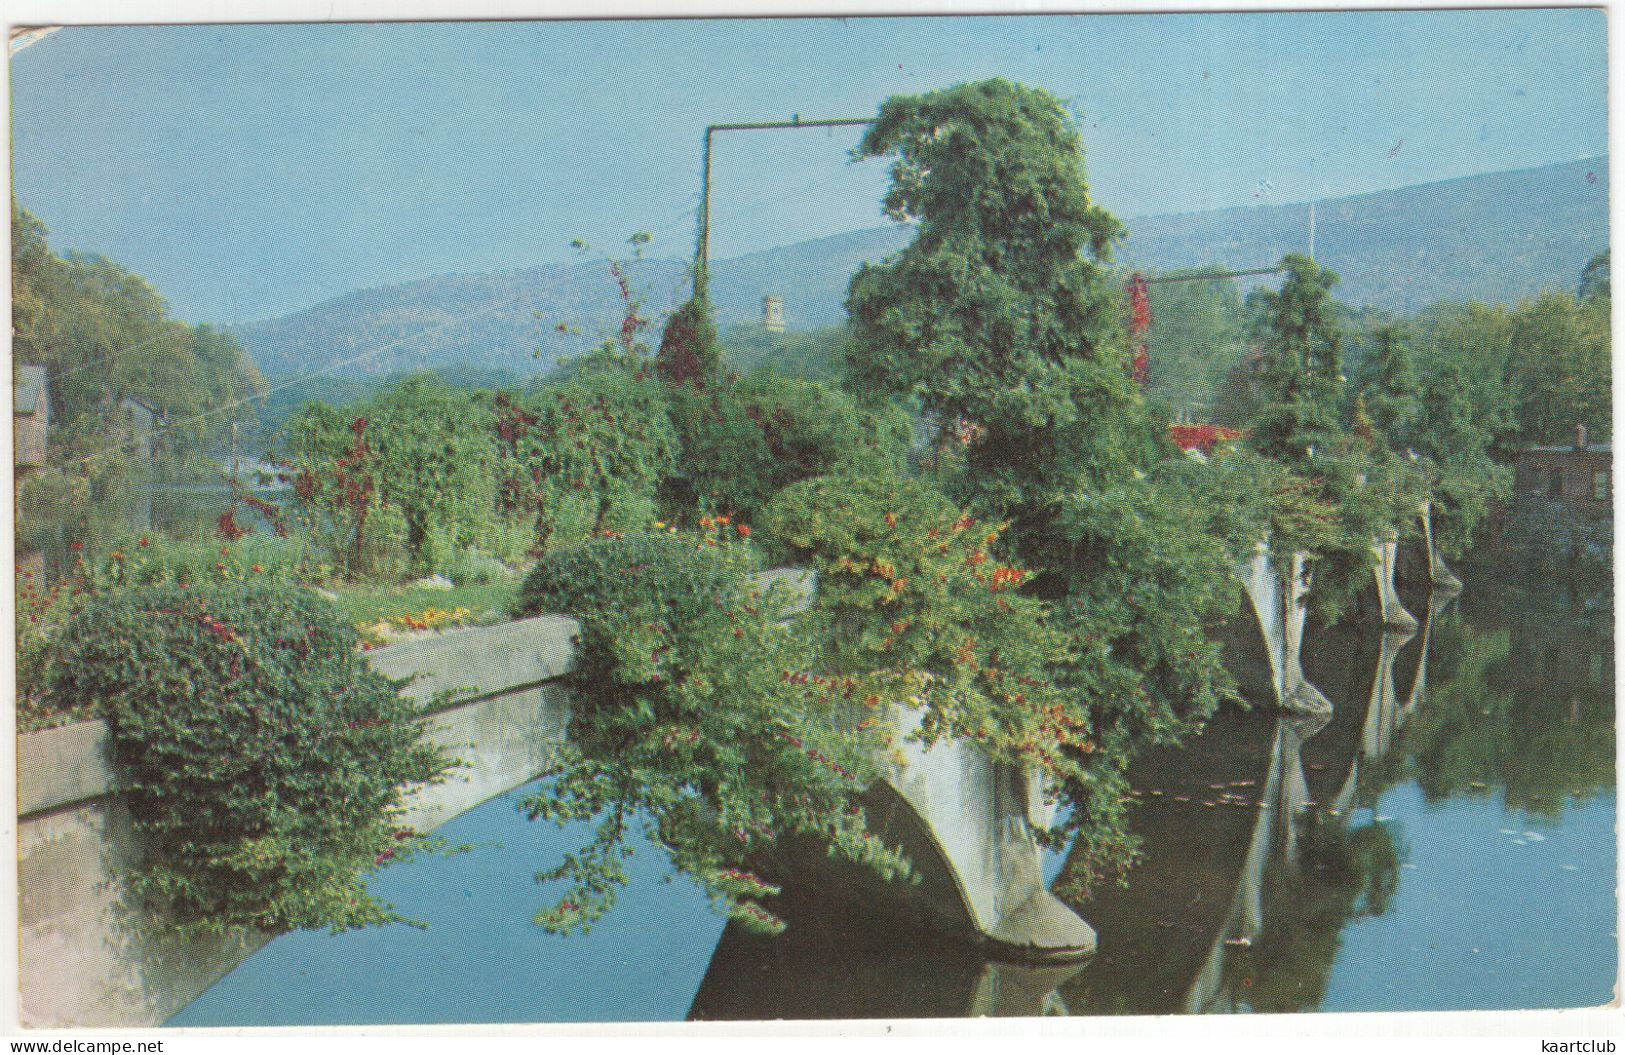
702	250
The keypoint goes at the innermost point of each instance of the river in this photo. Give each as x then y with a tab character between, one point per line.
1446	842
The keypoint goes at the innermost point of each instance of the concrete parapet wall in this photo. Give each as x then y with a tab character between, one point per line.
66	765
61	766
87	960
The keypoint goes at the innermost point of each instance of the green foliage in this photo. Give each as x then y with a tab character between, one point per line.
1561	367
282	404
812	355
584	456
1002	320
913	606
1196	337
998	313
408	473
743	440
1388	385
263	762
1455	430
1149	560
695	719
1301	368
1463	354
1374	496
104	337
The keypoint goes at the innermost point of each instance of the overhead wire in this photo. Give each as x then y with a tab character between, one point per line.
667	232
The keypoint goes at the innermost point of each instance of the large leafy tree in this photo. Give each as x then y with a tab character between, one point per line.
999	315
1560	369
1003	322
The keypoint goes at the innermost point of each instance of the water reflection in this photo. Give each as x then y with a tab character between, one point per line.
1450	826
830	963
1267	852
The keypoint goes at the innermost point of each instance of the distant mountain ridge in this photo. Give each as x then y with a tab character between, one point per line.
1495	237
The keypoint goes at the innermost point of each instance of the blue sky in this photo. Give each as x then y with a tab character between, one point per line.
248	171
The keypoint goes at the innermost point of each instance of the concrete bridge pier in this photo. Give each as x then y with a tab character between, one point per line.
1281	606
1394	615
1438	573
967	823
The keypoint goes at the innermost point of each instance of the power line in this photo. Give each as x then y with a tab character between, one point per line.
702	250
135	442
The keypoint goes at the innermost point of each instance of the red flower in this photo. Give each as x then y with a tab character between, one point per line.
144	543
743	529
77	546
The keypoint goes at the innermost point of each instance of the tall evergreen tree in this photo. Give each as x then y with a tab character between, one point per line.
1302	361
1390	388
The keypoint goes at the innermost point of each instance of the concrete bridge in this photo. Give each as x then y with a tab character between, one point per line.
967	823
90	960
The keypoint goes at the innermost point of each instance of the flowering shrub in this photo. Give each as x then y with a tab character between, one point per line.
585	455
408	471
693	721
916	608
743	440
263	762
433	618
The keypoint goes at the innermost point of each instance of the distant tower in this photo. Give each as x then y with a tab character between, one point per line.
773	313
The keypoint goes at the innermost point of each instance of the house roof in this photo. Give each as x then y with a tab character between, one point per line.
30	386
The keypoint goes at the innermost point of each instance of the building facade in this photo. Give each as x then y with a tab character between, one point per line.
1578	476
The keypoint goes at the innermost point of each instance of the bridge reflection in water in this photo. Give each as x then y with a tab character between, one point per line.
1236	825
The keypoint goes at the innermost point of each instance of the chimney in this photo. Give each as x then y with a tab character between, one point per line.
1579	437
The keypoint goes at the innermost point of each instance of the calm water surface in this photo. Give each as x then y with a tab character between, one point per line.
1446	841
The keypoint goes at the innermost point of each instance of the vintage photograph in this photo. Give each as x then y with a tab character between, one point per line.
812	518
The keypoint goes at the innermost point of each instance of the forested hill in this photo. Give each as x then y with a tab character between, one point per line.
1497	237
1494	237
